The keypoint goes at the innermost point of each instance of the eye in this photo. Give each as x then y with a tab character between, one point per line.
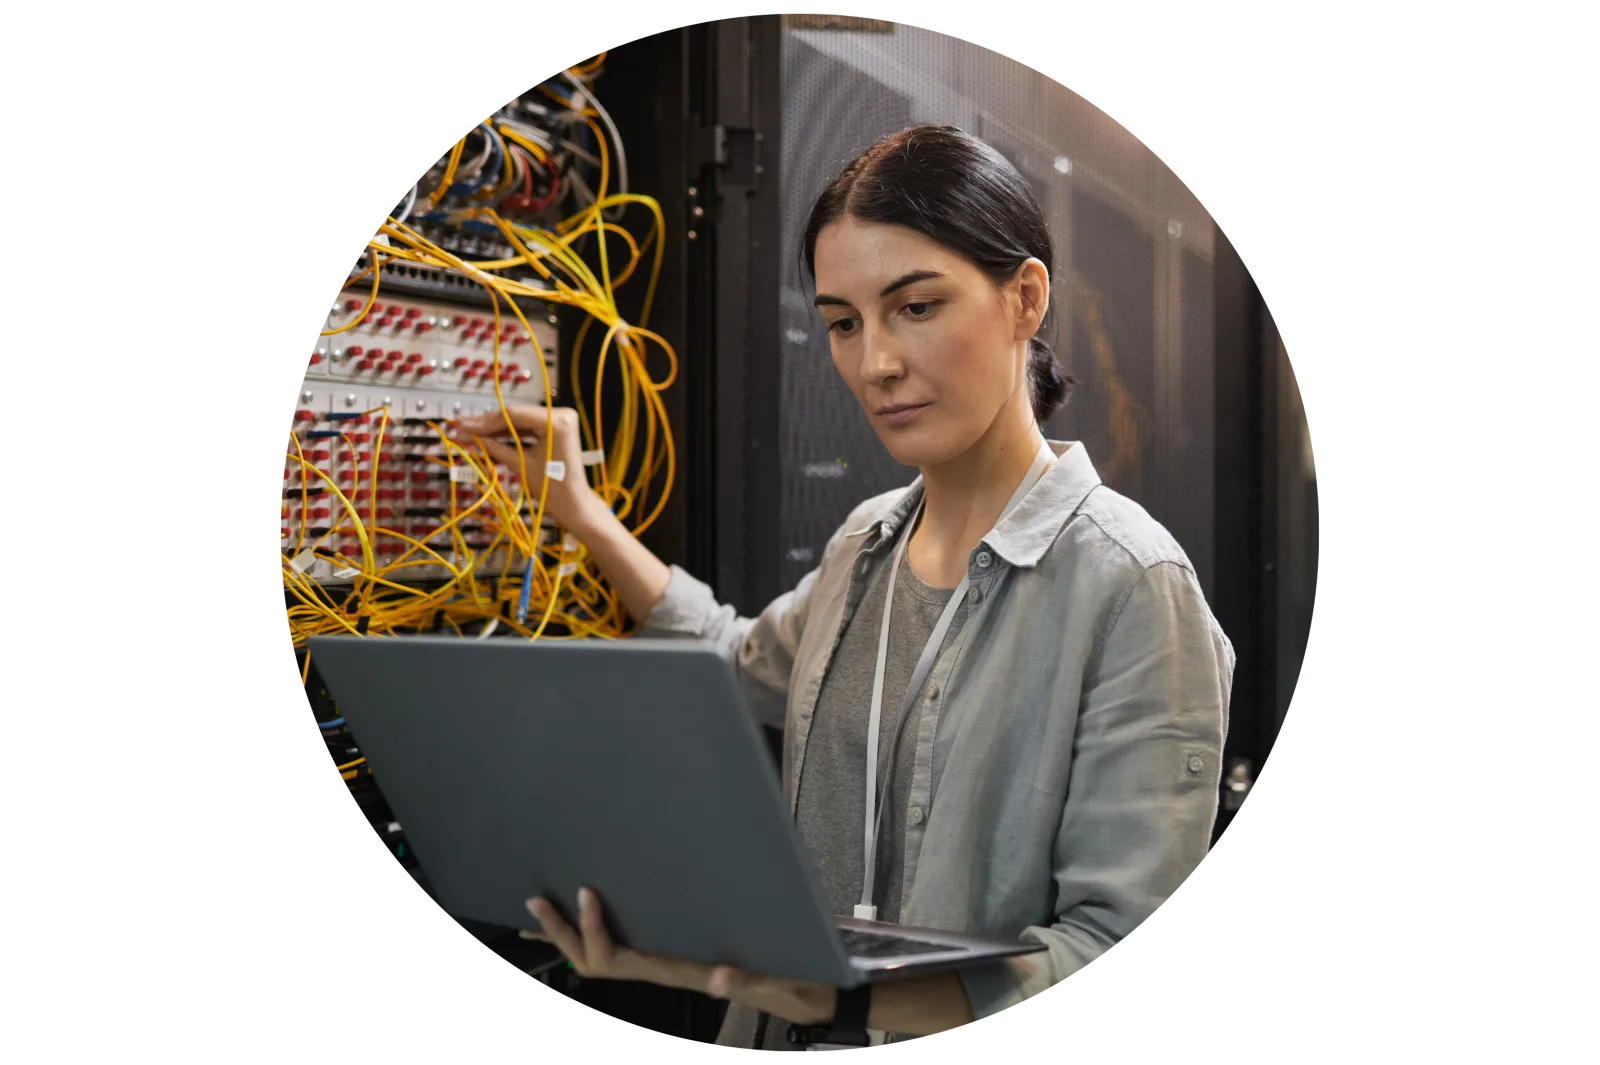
921	309
842	326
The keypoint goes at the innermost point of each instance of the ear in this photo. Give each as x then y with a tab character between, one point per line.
1032	286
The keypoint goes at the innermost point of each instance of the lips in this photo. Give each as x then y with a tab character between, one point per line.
901	414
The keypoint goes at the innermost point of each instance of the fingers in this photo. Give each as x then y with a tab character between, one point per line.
528	933
559	933
504	454
594	953
597	942
725	981
523	416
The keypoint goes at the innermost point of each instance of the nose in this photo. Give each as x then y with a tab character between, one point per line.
881	358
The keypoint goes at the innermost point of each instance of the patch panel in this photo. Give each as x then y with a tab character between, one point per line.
406	343
338	434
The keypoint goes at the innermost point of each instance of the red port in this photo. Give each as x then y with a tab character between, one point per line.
319	456
352	305
376	307
316	357
424	370
478	364
354	351
415	356
365	364
305	416
423	327
477	323
413	312
518	341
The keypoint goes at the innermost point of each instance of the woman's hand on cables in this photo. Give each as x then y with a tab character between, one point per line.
593	954
568	500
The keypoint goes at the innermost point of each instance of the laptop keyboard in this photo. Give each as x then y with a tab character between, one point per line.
860	944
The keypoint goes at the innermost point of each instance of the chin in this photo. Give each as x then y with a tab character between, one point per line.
919	448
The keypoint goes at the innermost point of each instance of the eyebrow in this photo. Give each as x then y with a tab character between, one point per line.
898	283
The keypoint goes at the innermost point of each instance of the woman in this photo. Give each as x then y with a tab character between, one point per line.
1052	771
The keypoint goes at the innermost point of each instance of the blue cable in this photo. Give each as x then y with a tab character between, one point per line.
522	596
335	723
489	175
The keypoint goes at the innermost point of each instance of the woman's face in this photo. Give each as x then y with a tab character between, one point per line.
932	350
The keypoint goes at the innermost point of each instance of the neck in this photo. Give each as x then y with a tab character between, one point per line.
963	497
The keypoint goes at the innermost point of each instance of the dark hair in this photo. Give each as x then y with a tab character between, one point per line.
958	191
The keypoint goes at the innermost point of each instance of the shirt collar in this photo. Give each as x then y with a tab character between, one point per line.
1023	536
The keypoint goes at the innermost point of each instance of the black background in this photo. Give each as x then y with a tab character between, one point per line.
1253	944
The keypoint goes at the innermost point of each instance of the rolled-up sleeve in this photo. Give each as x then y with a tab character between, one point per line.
1143	786
763	648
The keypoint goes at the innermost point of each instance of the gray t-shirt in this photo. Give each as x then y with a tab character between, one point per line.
832	788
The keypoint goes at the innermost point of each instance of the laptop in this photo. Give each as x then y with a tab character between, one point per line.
633	767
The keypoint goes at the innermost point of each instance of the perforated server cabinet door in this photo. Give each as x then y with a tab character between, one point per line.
830	457
1190	454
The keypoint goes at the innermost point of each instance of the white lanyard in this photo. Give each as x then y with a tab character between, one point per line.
874	813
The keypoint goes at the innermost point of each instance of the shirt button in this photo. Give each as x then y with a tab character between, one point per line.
975	595
916	815
933	693
984	558
1196	763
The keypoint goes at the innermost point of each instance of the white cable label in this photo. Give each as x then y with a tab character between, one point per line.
346	573
463	474
556	470
569	543
594	457
303	561
566	569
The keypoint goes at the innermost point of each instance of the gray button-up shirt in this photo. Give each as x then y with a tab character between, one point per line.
1066	773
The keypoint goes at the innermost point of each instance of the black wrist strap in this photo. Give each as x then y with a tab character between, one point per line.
849	1024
